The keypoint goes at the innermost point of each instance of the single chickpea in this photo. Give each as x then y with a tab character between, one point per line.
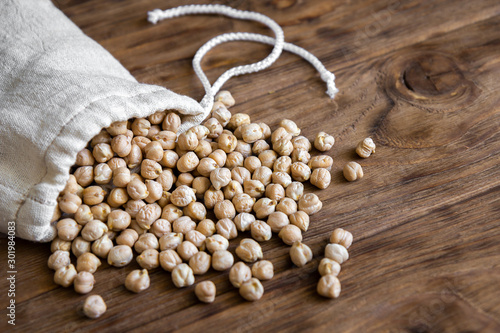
240	174
266	131
121	145
102	152
120	256
69	203
157	117
102	246
155	190
134	158
166	139
64	276
212	196
117	197
67	229
353	171
243	221
227	142
249	250
154	151
222	260
196	211
169	159
187	141
83	215
275	192
115	163
264	174
323	141
169	259
268	157
117	128
58	259
337	253
294	191
161	227
196	237
220	177
188	162
310	203
205	291
329	286
183	225
365	148
300	219
186	250
281	178
245	149
94	306
263	207
300	155
88	262
137	190
80	246
226	228
127	237
287	206
171	122
71	185
283	147
182	276
102	174
290	234
147	215
321	178
206	227
203	149
219	156
300	171
263	270
150	169
328	266
251	132
93	195
277	220
133	206
200	131
221	113
59	244
149	259
290	126
84	158
280	134
224	210
153	131
140	127
225	98
321	161
239	274
84	282
137	280
252	290
300	254
57	214
140	141
134	225
342	237
301	142
166	179
101	212
243	203
182	196
237	120
216	243
200	262
254	188
251	163
94	230
84	175
201	185
102	137
259	146
206	166
234	159
146	241
260	231
232	189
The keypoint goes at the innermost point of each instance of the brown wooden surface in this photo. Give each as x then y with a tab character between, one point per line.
420	77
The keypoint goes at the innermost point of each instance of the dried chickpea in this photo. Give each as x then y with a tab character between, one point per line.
80	246
264	174
186	250
206	227
281	178
117	197
290	234
251	163
220	177
166	179
321	161
183	225
226	228
221	113
71	185
169	259
200	262
300	219
287	206
300	155
294	191
102	152
188	162
252	290
182	196
120	256
212	196
169	159
93	195
121	177
140	141
245	149
166	139
337	253
84	282
282	164
328	266
69	203
227	142
249	250
353	171
300	254
243	221
225	98
321	178
140	126
134	158
275	192
232	189
84	157
127	237
157	117
237	120
329	286
234	159
145	242
216	243
243	203
88	262
206	166
268	157
101	212
224	210
94	230
301	142
200	131
300	171
254	188
57	214
222	260
205	291
187	141
290	126
150	169
155	190
117	128
102	246
83	215
133	206
171	241
59	244
121	145
283	147
201	185
277	220
64	276
58	259
263	207
342	237
219	156
149	259
239	273
266	131
137	190
102	137
196	237
259	146
196	211
94	306
323	141
67	229
263	270
203	149
240	174
365	148
161	227
214	128
182	276
280	134
251	132
260	231
171	122
184	178
84	175
134	225
310	203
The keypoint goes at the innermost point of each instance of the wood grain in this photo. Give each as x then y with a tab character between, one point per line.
420	77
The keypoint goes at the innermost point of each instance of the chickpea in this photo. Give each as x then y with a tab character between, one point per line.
133	206
251	163
212	196
67	229
251	132
117	197
252	290
227	142
140	126
188	162
353	171
225	98
102	246
243	203
196	237
171	241
134	158
221	113
220	177
150	169
329	286
206	227
234	159
216	243
69	203
268	157
277	220
183	225
93	195
141	141
196	211
148	259
283	147
166	179
300	155
88	262
120	256
203	149
290	126
263	270
232	189
137	280
59	244
102	152
237	120
160	227
323	141
94	306
287	206
205	291
243	221
290	234
182	276
64	276
328	266
100	212
187	141
310	203
166	139
169	259
169	159
337	253
84	175
182	196
219	156
275	192
102	137
222	260
263	207
94	230
300	171
137	190
249	250
254	188
226	228
245	149
294	191
127	237
71	185
300	254
171	122
201	185
84	282
365	148
281	178
147	215
214	127
301	142
342	237
134	225
84	158
321	161
300	219
200	263
80	246
115	163
58	259
146	241
280	134
240	174
186	250
239	274
259	146
264	174
121	145
260	231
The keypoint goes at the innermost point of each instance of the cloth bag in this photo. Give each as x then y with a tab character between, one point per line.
59	88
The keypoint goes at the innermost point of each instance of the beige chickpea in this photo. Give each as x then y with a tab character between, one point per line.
127	237
140	141
84	175
147	215
254	188
166	139
134	158
117	197
121	145
146	241
200	262
115	163
226	228
295	190
187	141
329	286
236	133
212	196
323	141
169	259
83	215
263	270
121	177
221	113
149	259
243	221
219	156
102	152
171	241
277	220
153	131
203	149
224	210
239	274
227	142
290	126
244	148
301	142
237	120
169	159
206	165
134	225
287	206
263	174
205	291
243	203
133	206
251	163
137	280
201	185
161	227
150	169
259	146
71	185
321	161
232	189
94	306
260	231
58	259
249	250
182	276
182	196
102	137
240	174
140	126
84	282
252	290
290	234
275	192
353	171
281	178
300	219
93	230
69	203
310	203
137	190
93	195
120	256
206	227
154	151
225	98
234	159
64	276
251	132
268	157
328	266
171	122
80	246
300	254
280	134
365	148
183	225
220	177
300	155
222	260
200	131
283	164
84	157
300	171
263	207
155	191
117	128
101	212
157	117
166	179
59	244
283	147
216	243
102	246
67	229
188	162
214	127
186	250
342	237
88	262
321	178
337	253
196	237
196	211
266	131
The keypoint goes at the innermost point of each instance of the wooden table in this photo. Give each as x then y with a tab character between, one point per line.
419	77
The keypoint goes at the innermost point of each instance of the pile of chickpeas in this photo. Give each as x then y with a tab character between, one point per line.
141	187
